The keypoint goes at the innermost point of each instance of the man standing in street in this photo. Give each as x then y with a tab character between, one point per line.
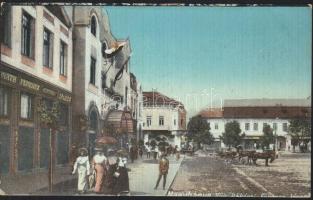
163	170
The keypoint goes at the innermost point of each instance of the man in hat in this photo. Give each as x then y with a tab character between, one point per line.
163	170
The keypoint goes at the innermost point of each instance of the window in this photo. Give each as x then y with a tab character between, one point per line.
103	80
26	106
285	127
161	120
174	122
255	126
247	126
63	59
93	25
275	126
216	126
181	122
264	124
93	71
149	121
27	35
6	39
3	102
63	115
47	48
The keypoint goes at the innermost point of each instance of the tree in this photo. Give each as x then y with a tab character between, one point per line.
231	136
49	118
299	129
199	131
268	137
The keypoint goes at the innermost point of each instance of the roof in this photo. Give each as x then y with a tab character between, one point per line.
211	113
121	121
267	102
60	13
158	98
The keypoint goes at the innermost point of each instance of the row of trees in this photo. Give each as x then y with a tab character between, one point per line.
199	132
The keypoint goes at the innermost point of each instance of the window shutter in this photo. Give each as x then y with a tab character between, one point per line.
32	36
51	51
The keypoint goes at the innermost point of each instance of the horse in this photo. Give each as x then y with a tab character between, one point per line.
268	154
248	154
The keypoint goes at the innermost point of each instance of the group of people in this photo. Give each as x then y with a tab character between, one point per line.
103	175
158	151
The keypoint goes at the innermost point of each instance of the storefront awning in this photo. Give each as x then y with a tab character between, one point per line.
121	121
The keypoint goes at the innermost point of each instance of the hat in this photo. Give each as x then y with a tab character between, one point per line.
98	149
84	150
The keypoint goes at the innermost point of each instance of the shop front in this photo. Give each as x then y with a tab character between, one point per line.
24	142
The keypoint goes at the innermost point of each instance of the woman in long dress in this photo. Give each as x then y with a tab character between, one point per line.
82	166
121	177
99	165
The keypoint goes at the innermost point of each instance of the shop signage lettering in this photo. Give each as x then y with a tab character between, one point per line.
30	85
49	92
64	97
8	77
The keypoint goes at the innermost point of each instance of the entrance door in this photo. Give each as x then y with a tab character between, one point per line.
4	148
25	148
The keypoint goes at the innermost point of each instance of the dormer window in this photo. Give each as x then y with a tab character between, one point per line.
93	26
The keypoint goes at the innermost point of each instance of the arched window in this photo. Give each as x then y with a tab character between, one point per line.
93	25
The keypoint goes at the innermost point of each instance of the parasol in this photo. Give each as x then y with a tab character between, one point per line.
122	152
106	140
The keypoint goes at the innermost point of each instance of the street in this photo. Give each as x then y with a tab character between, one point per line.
287	176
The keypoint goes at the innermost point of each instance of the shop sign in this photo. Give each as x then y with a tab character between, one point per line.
65	97
49	92
8	77
29	84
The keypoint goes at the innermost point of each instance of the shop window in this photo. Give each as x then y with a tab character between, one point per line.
47	48
62	147
63	58
25	148
44	147
4	148
93	71
63	115
6	20
28	35
26	106
3	102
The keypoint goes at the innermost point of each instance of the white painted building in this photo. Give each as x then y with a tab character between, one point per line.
253	114
35	67
163	117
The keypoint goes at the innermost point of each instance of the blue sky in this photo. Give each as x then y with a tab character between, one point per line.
239	52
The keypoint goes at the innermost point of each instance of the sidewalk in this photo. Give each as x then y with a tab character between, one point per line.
25	184
144	174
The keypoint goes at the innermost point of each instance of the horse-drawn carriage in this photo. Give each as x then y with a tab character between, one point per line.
250	155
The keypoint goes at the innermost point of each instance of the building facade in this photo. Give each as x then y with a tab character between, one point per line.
254	114
35	67
163	118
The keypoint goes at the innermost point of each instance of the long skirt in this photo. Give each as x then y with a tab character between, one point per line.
100	173
122	182
82	179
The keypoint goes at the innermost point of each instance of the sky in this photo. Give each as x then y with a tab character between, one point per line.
202	55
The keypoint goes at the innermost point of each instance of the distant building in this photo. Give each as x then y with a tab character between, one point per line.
253	114
35	66
164	118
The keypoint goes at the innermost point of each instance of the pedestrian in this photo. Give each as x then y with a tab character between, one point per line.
163	170
99	165
121	177
148	149
155	153
140	152
132	153
110	181
82	167
177	152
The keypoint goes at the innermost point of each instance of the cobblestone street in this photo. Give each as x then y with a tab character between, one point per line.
287	176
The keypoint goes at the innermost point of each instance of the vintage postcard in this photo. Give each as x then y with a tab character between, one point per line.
155	100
